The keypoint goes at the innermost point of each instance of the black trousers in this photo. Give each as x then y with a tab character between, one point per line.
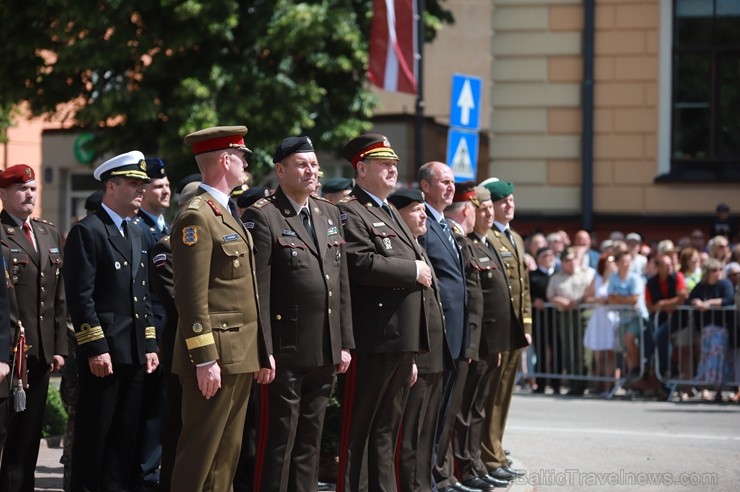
106	424
454	384
291	413
24	432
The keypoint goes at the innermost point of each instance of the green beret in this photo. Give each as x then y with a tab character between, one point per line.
499	189
335	185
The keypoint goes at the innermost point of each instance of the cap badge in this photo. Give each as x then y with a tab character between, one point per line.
386	142
142	165
28	172
309	141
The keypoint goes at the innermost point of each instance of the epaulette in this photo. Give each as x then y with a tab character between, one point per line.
215	209
43	221
320	198
458	230
136	219
347	199
195	203
261	203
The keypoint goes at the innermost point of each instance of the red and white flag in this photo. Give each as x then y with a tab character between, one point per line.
393	46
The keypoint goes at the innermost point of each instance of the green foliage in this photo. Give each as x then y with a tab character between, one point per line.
55	417
144	73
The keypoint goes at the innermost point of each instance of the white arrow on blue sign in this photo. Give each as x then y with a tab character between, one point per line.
465	101
462	154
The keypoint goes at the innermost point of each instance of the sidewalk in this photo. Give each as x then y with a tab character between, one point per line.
49	472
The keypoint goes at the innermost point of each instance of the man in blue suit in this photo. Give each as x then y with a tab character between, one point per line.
438	184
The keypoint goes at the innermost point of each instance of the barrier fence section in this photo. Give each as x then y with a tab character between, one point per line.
607	347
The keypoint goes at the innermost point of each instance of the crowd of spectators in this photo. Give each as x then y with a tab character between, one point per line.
647	313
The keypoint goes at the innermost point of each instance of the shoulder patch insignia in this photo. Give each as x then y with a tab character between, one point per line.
195	203
159	259
343	218
136	219
249	225
197	327
261	203
189	235
320	198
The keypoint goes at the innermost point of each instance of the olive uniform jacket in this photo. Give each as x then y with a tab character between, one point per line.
517	274
303	283
107	294
387	302
36	278
499	331
215	291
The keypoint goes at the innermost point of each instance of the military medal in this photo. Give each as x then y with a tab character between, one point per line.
387	243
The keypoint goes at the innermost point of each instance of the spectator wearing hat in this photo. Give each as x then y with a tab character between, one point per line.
639	262
32	252
105	279
249	197
161	280
306	314
334	189
422	406
723	225
389	280
510	247
543	321
220	344
438	184
150	218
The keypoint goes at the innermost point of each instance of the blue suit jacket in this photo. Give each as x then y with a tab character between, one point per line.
448	266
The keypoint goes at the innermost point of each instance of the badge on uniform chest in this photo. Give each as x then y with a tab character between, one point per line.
387	243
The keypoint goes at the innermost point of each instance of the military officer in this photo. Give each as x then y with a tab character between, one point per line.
107	296
306	314
34	258
389	280
510	247
150	218
422	408
4	346
220	343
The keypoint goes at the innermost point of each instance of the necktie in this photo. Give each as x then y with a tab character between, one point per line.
306	218
450	238
387	210
234	212
161	225
124	228
27	232
510	237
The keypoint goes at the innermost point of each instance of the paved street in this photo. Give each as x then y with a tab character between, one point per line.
587	444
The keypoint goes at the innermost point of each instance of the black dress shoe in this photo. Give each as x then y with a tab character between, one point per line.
494	481
478	484
501	473
325	486
507	452
516	473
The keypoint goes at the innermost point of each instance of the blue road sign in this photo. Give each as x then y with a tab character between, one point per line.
465	101
462	154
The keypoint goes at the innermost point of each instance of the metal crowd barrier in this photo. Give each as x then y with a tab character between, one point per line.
624	348
697	349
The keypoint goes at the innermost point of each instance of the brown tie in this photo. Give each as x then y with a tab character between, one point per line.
27	232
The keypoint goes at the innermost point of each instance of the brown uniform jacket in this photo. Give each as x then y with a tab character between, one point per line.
38	286
303	283
215	291
387	302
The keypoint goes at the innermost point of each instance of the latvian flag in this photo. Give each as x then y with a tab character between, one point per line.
393	65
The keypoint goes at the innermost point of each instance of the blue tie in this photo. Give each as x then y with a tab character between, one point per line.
450	238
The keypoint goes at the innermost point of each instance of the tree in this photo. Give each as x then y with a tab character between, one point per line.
144	73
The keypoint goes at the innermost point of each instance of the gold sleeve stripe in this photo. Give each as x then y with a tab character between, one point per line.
527	321
89	335
149	332
200	341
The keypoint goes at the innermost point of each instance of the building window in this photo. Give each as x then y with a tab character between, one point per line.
705	110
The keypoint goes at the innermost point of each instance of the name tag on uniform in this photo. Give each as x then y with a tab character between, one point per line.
506	254
333	231
484	259
231	238
378	224
53	250
290	233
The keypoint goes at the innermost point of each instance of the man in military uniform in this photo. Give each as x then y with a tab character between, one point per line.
510	247
106	284
422	407
35	266
162	282
334	189
150	218
306	315
220	343
389	280
5	344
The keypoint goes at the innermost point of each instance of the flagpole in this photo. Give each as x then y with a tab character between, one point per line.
419	116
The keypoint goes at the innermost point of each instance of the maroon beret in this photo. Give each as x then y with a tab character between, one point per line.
20	173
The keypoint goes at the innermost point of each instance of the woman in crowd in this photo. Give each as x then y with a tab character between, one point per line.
719	249
690	268
626	290
600	332
711	293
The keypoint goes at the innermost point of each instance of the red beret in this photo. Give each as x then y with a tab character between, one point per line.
20	173
465	192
